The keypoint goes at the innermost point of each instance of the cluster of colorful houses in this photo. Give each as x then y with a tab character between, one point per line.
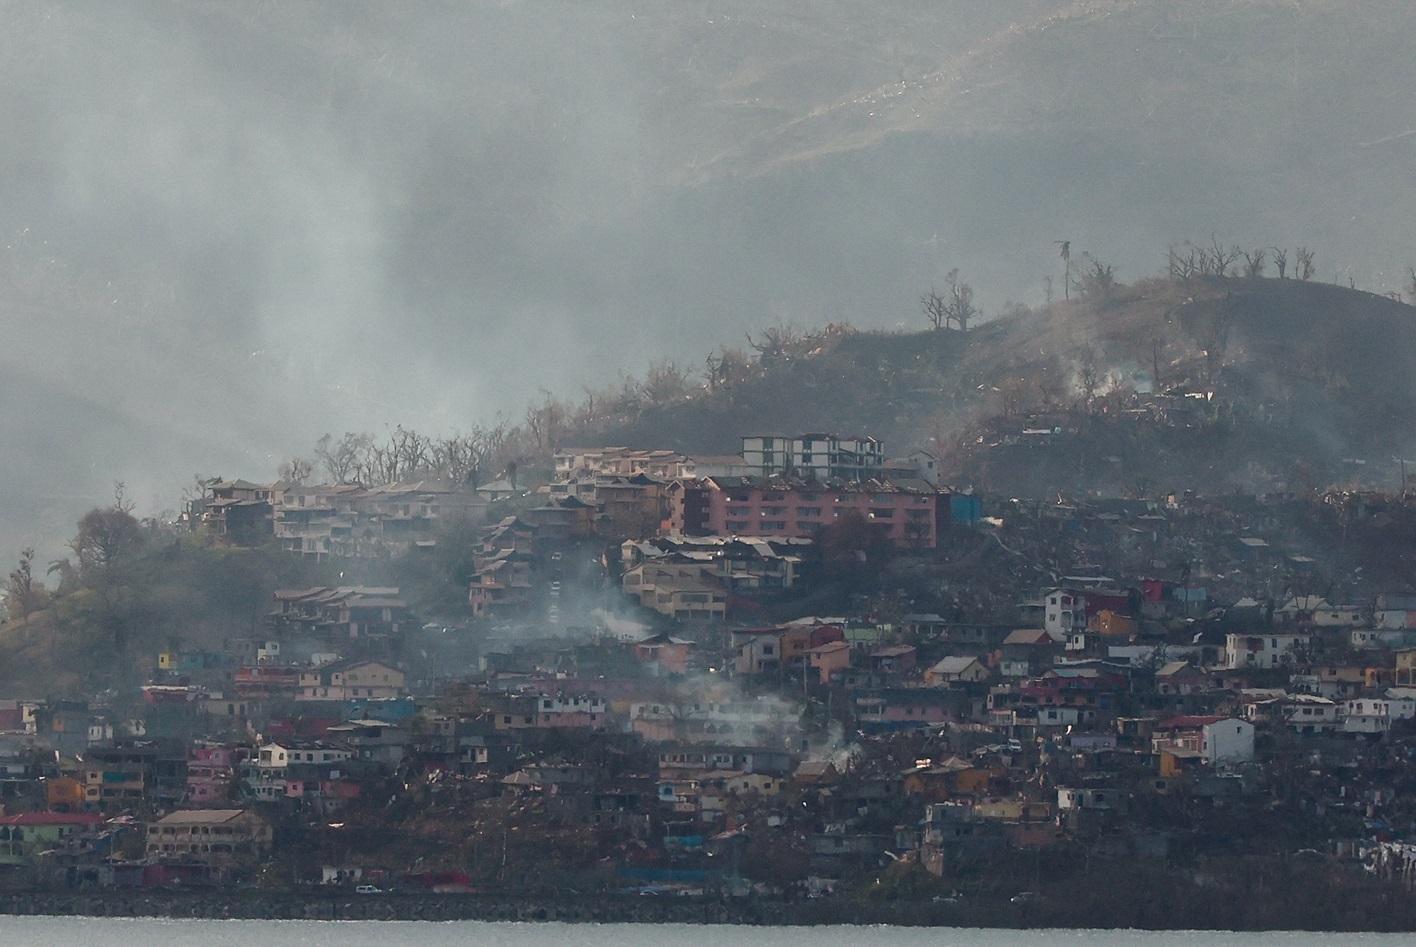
703	535
1087	714
1035	736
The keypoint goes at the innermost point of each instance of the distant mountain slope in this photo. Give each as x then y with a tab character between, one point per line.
229	226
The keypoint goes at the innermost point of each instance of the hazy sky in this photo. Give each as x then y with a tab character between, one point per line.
230	227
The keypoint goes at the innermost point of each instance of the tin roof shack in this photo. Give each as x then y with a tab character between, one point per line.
953	777
953	832
895	660
1025	824
1180	679
839	853
376	741
1026	652
962	669
1088	811
229	843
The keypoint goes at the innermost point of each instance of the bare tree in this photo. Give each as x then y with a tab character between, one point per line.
1222	257
411	451
1065	247
545	422
961	309
1411	282
197	490
345	458
1181	265
1304	269
461	457
1254	263
728	369
1280	260
776	342
935	308
664	382
1098	279
296	470
23	594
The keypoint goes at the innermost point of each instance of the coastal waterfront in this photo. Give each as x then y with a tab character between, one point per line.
124	932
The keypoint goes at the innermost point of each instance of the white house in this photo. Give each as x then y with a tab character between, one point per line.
1218	740
1063	611
1375	714
1340	616
1263	651
1304	713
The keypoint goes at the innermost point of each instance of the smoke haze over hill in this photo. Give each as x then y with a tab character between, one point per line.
229	227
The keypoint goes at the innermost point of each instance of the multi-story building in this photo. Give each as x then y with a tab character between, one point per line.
350	680
813	457
1263	651
211	772
218	838
911	516
346	613
501	586
361	522
238	510
692	578
687	591
579	463
129	771
1214	739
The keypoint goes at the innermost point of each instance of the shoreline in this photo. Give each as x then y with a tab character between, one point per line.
252	904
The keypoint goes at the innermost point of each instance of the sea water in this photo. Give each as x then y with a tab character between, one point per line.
143	932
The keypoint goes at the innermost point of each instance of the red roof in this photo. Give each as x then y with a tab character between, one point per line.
1187	722
52	818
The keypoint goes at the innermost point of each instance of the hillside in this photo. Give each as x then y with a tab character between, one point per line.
1303	379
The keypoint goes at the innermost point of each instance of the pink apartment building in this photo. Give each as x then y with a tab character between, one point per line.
912	515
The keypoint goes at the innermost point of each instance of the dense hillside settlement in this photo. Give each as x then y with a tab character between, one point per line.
811	668
1000	693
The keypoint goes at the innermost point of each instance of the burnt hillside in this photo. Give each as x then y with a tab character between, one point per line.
1207	383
